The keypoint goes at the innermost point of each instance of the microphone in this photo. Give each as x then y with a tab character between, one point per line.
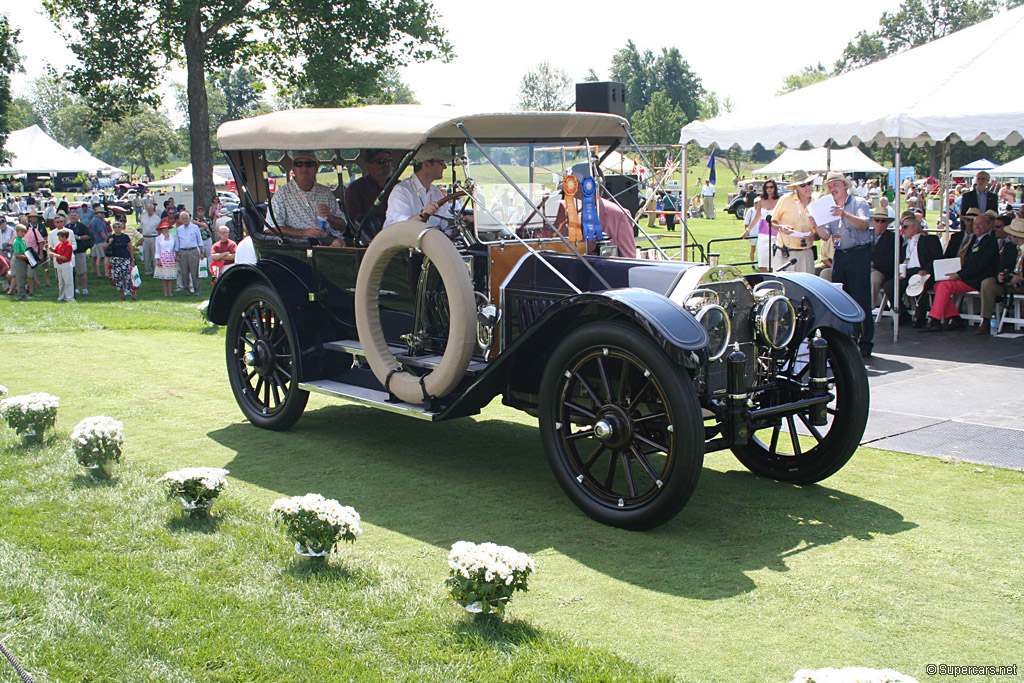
789	264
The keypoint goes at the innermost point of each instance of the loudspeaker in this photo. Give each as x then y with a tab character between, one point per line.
606	97
625	189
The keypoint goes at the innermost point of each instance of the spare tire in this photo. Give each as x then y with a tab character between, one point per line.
462	311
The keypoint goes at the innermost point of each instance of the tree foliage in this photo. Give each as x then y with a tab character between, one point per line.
658	123
145	138
10	61
915	23
809	75
325	49
645	74
243	92
20	114
545	88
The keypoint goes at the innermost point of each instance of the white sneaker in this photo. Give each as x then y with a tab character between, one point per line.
84	291
77	292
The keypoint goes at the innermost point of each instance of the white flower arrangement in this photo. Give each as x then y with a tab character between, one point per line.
484	576
30	412
204	310
97	440
3	391
195	487
850	674
315	523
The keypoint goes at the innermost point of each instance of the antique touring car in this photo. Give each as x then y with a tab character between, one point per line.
635	368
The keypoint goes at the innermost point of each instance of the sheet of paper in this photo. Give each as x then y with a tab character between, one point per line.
821	210
944	266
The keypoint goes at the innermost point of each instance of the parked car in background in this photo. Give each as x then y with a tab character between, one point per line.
749	191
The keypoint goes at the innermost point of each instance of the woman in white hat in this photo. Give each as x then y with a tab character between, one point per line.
793	248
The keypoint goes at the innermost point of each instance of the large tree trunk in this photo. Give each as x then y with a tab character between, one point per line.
198	112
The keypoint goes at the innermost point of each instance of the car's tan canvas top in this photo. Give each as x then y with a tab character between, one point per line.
405	126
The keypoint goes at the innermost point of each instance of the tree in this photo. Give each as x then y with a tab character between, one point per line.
809	75
10	61
658	123
644	74
145	139
915	23
545	88
243	92
326	49
20	114
392	90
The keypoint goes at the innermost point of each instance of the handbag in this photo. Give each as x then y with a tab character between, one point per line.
30	256
136	277
204	268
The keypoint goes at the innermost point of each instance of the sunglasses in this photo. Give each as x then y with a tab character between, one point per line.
304	164
386	161
880	220
805	184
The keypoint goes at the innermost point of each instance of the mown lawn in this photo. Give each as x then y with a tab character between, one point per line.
897	561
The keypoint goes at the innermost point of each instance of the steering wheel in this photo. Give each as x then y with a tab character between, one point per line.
456	229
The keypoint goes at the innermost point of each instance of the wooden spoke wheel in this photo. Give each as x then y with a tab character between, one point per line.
794	450
621	426
263	360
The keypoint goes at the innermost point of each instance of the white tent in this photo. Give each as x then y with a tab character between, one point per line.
958	92
100	165
1011	169
184	179
970	170
849	160
33	151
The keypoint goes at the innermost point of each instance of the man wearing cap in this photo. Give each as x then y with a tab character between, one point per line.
416	198
981	260
100	235
883	259
921	251
853	240
300	206
978	198
361	193
83	241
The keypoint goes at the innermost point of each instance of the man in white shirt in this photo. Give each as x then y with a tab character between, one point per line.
300	206
416	198
148	222
883	202
708	193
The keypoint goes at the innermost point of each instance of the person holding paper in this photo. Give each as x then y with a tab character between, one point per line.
850	232
980	261
792	218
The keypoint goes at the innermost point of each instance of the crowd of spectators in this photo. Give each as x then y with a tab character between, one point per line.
39	234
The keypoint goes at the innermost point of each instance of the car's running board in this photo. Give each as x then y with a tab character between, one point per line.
367	397
353	347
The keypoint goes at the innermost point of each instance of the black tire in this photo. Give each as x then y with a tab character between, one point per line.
265	383
642	474
782	458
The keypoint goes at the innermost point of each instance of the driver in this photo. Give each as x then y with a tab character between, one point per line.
416	198
301	205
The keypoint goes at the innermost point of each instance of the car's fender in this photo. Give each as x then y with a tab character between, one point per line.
832	306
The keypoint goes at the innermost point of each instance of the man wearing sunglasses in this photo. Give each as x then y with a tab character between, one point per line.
363	192
301	205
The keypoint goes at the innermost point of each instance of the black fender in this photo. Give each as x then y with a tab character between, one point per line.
306	316
521	364
832	307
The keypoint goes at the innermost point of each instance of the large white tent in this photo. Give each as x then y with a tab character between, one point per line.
1011	169
958	91
849	160
98	163
33	151
184	179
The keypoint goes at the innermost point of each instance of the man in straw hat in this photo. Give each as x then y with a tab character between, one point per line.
852	238
883	259
792	251
1008	275
918	275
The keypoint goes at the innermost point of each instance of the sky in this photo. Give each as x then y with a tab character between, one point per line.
742	49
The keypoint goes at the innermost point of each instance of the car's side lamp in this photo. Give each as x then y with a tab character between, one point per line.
608	250
713	259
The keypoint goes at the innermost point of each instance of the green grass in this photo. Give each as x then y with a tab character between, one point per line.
896	561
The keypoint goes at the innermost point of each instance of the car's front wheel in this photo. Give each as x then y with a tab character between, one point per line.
621	426
263	359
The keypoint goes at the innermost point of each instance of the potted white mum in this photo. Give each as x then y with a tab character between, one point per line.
316	524
30	415
96	442
851	674
195	487
485	576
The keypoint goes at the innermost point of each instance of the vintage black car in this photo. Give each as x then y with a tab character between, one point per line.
634	368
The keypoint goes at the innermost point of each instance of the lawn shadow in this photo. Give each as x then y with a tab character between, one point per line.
88	481
185	523
488	480
489	632
311	570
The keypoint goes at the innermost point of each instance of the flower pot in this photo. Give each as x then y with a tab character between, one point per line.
194	509
315	555
481	607
101	470
30	437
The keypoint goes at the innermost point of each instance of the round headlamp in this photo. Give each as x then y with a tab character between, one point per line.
775	321
715	320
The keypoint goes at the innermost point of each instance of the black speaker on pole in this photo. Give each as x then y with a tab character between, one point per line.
625	189
606	97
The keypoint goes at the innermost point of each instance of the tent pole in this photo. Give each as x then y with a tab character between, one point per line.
896	248
828	155
685	205
947	190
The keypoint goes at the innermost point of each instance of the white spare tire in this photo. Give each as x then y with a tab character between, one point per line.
462	311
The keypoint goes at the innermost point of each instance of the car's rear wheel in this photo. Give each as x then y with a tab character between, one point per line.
621	426
263	359
796	451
